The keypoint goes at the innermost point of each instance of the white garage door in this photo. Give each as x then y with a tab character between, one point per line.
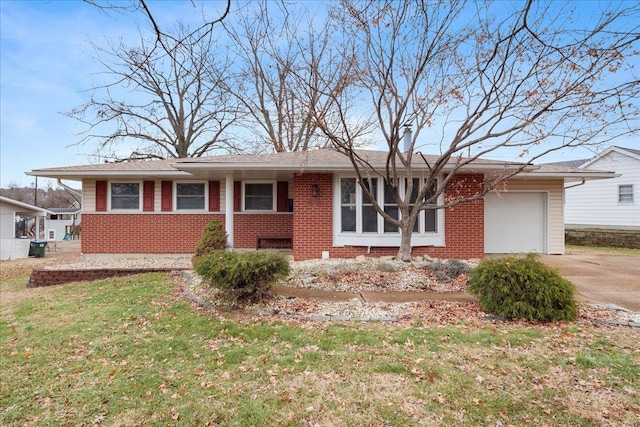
515	222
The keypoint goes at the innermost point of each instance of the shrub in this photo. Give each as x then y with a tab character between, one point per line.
447	271
242	277
522	288
213	239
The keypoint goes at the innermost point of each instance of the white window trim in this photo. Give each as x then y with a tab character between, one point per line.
274	196
175	196
380	239
140	194
633	196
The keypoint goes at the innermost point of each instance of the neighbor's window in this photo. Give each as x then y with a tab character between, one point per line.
190	196
125	195
625	193
258	196
357	213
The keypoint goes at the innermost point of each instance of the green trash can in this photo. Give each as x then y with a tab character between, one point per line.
36	249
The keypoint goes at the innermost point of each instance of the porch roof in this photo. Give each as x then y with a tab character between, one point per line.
25	208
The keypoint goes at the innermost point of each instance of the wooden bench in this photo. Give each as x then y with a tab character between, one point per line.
283	241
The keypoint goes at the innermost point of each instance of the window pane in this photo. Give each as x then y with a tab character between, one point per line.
125	196
369	219
412	201
190	203
190	190
263	190
258	197
388	195
190	196
390	208
348	219
431	192
393	212
415	190
348	191
369	214
258	203
372	185
125	189
625	193
430	220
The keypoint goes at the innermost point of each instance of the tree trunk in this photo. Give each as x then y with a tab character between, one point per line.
404	252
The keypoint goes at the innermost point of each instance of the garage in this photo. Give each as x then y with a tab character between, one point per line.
515	222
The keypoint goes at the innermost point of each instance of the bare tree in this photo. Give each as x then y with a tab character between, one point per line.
142	7
169	97
285	63
61	197
477	79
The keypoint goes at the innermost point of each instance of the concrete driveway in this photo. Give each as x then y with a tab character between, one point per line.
601	278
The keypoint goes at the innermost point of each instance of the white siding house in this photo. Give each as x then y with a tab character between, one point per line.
14	246
613	202
61	222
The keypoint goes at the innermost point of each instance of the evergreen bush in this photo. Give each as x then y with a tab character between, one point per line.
242	277
213	239
448	271
523	288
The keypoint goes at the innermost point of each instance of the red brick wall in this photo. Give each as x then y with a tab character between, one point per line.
169	233
312	220
143	233
313	226
248	226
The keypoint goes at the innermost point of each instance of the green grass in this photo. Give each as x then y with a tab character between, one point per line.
130	352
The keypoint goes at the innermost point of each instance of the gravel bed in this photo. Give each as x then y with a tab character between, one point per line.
373	274
348	275
182	262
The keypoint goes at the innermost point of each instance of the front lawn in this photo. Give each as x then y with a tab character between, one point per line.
132	351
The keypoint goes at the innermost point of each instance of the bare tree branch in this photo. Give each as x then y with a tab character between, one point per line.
175	104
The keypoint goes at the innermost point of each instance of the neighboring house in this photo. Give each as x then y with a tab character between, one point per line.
310	202
14	227
610	203
63	224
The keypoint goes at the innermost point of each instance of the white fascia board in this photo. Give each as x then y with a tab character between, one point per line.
80	175
574	175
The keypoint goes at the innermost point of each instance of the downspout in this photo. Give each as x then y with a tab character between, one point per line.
74	193
576	185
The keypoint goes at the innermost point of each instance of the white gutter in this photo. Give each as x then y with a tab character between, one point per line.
576	175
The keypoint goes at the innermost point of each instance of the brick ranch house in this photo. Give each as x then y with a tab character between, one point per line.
309	201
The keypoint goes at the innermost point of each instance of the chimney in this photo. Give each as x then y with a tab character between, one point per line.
406	143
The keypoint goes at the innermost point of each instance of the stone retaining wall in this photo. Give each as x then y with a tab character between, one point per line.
44	277
603	237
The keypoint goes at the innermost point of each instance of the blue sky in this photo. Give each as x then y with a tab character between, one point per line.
47	63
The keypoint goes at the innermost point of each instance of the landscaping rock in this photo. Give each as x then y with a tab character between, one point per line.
389	266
